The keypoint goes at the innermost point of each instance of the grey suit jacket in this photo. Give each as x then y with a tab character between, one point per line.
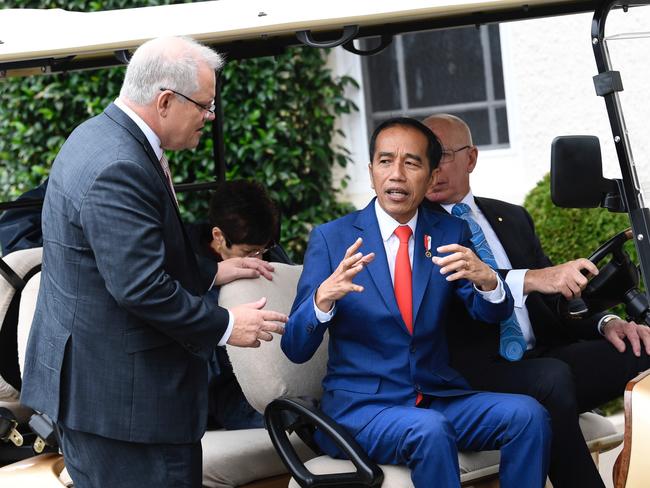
122	330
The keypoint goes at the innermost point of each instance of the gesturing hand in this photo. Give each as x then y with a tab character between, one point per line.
340	282
565	278
463	263
617	330
237	268
252	324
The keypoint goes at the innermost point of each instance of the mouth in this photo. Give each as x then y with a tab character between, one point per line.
397	194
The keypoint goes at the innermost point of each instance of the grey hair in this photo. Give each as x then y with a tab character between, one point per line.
166	62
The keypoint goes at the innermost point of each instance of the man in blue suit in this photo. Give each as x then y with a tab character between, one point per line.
388	380
123	328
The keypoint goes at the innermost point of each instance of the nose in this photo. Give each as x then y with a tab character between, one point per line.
397	171
210	116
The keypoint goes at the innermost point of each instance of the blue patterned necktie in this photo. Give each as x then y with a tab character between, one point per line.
512	344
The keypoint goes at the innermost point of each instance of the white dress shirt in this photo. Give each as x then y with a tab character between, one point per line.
387	226
514	278
154	142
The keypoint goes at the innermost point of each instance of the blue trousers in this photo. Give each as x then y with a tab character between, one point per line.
98	462
427	439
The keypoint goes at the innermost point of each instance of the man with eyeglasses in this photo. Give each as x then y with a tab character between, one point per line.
568	366
123	328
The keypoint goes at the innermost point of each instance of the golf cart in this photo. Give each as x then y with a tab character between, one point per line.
70	41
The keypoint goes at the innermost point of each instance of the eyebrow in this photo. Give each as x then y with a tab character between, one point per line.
392	154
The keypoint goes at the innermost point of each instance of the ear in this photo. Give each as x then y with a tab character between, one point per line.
473	156
372	183
163	103
218	240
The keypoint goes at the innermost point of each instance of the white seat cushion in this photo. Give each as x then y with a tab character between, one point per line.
235	457
265	373
25	316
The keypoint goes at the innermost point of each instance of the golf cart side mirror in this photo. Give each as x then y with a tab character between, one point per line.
577	175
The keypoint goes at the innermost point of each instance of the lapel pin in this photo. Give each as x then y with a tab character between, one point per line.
427	245
500	219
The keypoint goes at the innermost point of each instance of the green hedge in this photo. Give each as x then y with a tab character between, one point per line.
570	233
279	115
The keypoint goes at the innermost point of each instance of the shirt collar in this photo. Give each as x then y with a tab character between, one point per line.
388	224
148	132
468	199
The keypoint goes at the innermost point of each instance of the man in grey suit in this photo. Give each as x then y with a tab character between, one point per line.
123	328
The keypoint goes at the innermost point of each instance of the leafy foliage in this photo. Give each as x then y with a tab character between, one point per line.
570	233
279	115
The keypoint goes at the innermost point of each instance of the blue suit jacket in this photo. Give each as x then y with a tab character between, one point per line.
374	362
122	331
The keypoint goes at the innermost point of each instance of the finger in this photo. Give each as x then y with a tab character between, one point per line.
583	263
256	344
645	337
456	276
262	267
353	248
351	261
246	273
271	316
352	272
272	327
635	342
451	248
458	267
264	336
443	261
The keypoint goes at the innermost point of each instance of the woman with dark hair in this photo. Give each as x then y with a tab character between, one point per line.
243	223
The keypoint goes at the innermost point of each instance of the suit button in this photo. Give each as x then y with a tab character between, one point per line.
413	348
417	387
310	328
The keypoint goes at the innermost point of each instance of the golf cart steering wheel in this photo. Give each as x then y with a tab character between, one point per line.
617	282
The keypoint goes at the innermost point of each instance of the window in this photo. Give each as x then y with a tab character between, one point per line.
456	71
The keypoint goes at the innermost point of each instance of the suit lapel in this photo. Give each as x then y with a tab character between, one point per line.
503	229
379	273
118	116
422	266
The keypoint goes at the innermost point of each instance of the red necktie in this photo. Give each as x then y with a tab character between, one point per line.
403	281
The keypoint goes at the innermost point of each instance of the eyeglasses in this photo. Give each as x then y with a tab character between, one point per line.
253	254
206	108
448	155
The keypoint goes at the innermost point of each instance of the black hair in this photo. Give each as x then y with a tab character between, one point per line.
434	148
244	212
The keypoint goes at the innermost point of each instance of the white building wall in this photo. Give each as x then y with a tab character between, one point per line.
548	70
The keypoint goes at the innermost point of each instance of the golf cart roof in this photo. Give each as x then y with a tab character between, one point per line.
36	41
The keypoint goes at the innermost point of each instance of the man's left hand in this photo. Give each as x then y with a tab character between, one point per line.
241	268
615	331
463	263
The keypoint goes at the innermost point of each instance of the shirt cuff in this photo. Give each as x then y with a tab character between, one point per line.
323	316
226	335
515	281
604	320
494	296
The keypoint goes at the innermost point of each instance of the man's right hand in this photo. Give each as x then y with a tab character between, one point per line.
340	283
252	324
565	278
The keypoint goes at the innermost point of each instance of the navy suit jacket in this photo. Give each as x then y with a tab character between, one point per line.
122	330
374	362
